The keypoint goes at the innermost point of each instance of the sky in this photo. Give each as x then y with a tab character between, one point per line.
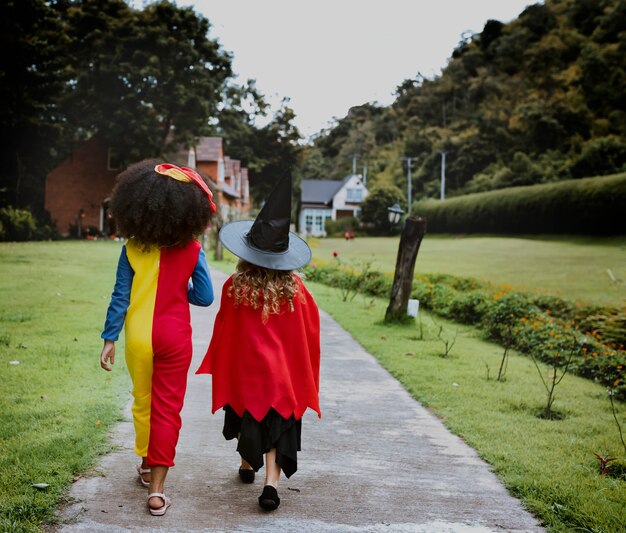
329	55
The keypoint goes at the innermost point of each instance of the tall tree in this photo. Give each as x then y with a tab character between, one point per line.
32	81
143	79
277	152
242	106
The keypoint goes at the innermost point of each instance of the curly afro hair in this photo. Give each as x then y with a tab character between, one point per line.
156	209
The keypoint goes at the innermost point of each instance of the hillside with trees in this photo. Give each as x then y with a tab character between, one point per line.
537	100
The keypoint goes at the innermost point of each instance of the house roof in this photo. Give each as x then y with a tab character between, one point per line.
209	149
236	166
229	191
228	166
320	191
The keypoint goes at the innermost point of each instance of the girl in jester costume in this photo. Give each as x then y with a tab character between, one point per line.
264	354
162	268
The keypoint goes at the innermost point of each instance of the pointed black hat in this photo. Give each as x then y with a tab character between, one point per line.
267	241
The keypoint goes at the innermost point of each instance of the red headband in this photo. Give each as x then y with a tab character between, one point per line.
186	175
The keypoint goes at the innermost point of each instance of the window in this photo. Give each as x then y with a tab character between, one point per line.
319	223
354	195
315	221
113	160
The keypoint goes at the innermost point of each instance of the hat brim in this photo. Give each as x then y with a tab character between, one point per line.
233	237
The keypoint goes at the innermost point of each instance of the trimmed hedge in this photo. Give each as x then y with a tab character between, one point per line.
588	206
533	323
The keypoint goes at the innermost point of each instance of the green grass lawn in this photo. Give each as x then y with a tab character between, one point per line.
574	267
57	404
548	464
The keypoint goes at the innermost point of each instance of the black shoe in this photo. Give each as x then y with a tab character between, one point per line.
247	476
269	500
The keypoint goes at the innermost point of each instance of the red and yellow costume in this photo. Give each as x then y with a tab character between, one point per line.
151	299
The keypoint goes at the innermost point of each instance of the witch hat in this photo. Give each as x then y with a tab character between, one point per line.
267	241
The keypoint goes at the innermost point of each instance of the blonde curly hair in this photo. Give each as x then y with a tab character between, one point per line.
262	287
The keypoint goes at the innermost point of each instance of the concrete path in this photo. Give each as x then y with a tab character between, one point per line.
376	462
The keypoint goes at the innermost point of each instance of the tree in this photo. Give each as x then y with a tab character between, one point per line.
33	74
276	152
374	214
236	120
539	98
606	155
143	79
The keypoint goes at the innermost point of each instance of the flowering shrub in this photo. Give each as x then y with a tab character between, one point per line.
350	280
543	325
470	308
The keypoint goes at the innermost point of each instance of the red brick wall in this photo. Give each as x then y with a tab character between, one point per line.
82	181
208	168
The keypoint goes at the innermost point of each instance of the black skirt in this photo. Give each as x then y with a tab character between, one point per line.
258	438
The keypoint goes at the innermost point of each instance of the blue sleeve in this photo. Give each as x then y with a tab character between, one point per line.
200	290
120	299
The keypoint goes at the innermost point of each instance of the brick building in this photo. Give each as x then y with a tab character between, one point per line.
77	191
230	178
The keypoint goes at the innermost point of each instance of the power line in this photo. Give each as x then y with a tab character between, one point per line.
354	156
409	160
442	195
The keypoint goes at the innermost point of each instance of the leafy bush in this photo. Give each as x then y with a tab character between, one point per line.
601	156
586	206
542	325
350	280
21	225
374	214
470	308
16	224
338	228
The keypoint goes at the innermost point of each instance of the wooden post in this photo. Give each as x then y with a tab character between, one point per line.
218	252
410	240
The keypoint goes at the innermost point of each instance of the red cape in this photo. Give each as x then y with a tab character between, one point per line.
257	366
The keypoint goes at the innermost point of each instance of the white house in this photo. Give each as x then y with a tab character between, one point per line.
323	199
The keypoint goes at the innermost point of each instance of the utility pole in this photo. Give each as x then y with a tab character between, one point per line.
443	175
354	156
409	160
365	173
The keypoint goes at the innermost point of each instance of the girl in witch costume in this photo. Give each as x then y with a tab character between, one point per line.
264	354
161	270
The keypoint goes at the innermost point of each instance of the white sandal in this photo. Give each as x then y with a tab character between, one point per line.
141	472
161	510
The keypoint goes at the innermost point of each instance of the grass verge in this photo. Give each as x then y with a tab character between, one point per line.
56	404
548	464
574	267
